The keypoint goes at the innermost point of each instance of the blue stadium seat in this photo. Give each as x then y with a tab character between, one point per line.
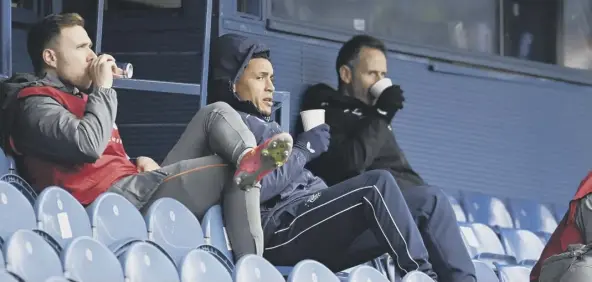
524	245
458	210
252	268
2	261
470	239
200	266
214	232
486	209
385	266
116	222
417	276
532	216
545	237
15	211
173	227
5	163
21	185
144	262
5	276
57	279
484	272
485	245
87	260
311	271
366	273
31	258
514	273
560	209
61	216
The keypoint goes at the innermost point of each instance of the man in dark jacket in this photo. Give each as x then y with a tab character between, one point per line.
302	217
64	137
362	139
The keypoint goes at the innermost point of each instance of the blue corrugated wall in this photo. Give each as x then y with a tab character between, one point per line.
462	127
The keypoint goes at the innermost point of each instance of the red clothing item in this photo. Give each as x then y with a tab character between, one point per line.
86	181
567	231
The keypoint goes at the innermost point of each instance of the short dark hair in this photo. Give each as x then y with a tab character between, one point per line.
44	31
351	49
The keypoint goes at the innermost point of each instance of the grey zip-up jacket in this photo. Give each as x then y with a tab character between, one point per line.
43	127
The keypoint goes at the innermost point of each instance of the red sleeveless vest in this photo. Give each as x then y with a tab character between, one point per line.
84	181
567	232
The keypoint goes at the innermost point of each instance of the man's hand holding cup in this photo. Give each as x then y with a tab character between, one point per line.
389	98
103	69
316	137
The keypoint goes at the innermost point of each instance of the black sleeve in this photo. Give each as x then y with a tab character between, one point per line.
352	150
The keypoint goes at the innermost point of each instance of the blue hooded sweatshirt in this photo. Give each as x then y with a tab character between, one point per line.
289	184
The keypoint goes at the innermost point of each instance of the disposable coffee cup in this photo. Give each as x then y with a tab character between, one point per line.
379	86
312	118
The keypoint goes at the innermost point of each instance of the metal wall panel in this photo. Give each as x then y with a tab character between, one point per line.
462	128
6	37
169	73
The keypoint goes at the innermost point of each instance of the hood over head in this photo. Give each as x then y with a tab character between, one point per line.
230	55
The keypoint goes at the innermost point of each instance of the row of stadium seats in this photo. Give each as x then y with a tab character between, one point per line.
111	241
501	251
510	247
505	235
507	213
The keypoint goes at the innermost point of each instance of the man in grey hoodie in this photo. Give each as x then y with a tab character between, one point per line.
64	137
340	226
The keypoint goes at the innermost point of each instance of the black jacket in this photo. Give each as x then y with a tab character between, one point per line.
360	141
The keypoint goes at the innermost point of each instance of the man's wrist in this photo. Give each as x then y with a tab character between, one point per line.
104	90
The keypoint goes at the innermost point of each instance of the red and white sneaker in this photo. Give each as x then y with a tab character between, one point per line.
263	159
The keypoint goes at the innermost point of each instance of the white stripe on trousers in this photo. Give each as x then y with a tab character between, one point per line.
344	210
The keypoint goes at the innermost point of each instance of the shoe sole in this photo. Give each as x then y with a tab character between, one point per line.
272	155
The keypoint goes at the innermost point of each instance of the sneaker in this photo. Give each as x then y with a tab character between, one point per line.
263	159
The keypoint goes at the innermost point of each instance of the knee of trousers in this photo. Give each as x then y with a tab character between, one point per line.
437	196
218	107
384	179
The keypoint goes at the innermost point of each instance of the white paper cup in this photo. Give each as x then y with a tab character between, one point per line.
379	86
312	118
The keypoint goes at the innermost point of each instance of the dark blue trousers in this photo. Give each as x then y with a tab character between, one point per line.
436	221
349	224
